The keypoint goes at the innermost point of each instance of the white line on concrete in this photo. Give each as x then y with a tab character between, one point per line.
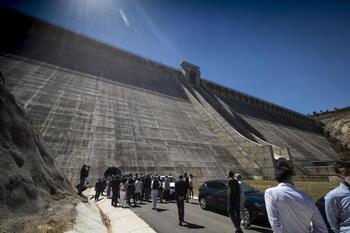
88	220
122	220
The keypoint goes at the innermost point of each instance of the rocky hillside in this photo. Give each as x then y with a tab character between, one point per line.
33	192
328	116
338	133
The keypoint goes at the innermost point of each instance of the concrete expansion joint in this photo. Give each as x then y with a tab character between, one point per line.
118	218
90	218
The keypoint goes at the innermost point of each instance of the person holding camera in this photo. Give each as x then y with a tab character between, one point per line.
84	173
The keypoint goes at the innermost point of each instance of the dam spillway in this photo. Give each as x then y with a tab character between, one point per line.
96	104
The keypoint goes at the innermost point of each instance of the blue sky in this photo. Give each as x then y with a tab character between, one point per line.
292	53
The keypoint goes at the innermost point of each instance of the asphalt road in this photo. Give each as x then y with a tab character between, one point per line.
165	219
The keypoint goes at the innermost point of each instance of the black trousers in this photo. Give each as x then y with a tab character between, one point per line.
234	212
81	185
137	197
115	197
180	202
147	193
97	195
166	194
131	194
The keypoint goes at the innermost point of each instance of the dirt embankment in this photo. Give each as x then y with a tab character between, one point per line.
338	134
34	195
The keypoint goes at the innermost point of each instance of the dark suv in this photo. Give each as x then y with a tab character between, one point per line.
213	194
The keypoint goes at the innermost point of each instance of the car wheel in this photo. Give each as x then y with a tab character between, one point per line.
246	218
203	203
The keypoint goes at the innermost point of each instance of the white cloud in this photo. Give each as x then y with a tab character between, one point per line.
152	26
125	19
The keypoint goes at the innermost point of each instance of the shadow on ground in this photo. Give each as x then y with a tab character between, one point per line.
161	210
259	224
262	230
192	225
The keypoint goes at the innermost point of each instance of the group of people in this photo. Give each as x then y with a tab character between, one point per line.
121	189
124	188
291	210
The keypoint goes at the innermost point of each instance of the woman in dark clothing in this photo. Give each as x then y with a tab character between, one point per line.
115	190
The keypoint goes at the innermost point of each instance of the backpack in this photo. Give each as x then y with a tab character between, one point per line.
155	184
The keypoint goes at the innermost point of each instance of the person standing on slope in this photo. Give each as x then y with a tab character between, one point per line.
84	173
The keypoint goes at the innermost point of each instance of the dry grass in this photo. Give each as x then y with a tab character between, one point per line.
315	189
59	217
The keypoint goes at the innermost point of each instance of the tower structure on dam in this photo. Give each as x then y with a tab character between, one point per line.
99	105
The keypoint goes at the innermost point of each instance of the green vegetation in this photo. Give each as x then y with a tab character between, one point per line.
314	189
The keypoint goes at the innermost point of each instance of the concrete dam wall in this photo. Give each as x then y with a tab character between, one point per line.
86	119
96	104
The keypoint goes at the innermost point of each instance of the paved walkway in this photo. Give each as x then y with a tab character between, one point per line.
100	217
123	220
88	220
165	219
116	219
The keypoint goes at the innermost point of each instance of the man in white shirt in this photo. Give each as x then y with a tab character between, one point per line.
337	201
290	210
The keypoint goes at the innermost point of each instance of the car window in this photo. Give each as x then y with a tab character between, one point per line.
247	188
172	179
216	186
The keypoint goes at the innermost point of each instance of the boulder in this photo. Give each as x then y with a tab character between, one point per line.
30	183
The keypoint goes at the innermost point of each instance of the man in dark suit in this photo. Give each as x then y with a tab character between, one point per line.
187	182
115	190
233	201
180	196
